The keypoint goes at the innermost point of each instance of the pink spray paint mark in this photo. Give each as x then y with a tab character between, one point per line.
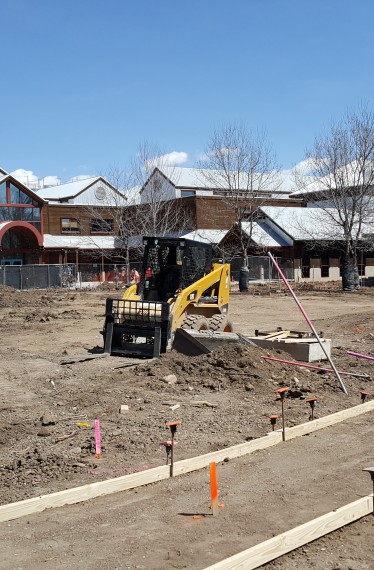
97	439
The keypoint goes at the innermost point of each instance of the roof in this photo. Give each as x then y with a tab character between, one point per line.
263	235
68	190
206	236
87	242
354	174
203	178
303	223
16	182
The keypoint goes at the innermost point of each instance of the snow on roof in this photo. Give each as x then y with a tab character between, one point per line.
303	223
206	236
350	175
185	177
68	190
202	178
263	235
80	242
89	242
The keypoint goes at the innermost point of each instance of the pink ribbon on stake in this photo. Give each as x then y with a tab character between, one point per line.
97	439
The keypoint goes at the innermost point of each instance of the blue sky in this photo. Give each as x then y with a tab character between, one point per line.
86	81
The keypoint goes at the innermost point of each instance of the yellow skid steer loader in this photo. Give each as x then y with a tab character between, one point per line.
180	287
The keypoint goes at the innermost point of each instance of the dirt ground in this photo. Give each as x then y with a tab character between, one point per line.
48	406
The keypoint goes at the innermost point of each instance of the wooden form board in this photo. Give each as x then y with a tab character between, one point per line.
287	541
126	482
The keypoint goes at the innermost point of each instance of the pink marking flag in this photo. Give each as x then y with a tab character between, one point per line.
97	439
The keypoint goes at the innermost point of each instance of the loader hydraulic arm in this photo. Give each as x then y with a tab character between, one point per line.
205	296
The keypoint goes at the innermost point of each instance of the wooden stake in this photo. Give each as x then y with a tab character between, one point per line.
214	487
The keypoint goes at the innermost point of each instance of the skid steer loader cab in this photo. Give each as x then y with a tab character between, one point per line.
170	265
175	274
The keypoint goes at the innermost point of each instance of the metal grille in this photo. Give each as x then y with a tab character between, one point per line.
137	312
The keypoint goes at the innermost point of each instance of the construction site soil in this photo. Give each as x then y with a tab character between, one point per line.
50	395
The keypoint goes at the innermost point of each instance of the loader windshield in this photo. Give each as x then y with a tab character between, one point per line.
170	265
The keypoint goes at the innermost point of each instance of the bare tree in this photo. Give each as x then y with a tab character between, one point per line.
340	182
240	166
157	212
143	203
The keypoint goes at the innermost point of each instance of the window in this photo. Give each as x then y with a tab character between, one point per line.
3	193
14	194
20	206
187	193
70	226
25	199
4	214
99	226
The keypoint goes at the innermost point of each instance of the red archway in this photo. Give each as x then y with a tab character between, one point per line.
22	231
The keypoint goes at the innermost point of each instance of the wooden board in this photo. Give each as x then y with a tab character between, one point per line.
126	482
287	541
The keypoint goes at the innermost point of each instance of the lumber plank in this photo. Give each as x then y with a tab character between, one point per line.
330	420
277	546
82	493
99	488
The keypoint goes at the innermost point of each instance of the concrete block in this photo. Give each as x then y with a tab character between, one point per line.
305	351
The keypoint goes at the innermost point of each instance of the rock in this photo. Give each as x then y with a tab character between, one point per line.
43	432
170	379
249	387
47	419
124	409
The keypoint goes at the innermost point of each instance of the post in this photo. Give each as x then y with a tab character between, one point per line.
214	487
97	439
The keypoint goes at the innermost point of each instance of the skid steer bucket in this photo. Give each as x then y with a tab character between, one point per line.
136	328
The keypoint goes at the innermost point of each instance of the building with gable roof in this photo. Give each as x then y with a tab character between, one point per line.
21	222
57	224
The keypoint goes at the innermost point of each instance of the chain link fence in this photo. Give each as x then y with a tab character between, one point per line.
71	275
261	268
37	276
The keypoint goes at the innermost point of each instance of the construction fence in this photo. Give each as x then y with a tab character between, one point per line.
72	275
261	268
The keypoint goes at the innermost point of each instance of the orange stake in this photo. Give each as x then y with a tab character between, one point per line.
214	487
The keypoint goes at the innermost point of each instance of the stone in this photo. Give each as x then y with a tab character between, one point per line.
47	419
124	409
169	379
249	387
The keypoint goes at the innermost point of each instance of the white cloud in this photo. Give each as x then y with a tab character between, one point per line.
174	158
27	177
32	181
